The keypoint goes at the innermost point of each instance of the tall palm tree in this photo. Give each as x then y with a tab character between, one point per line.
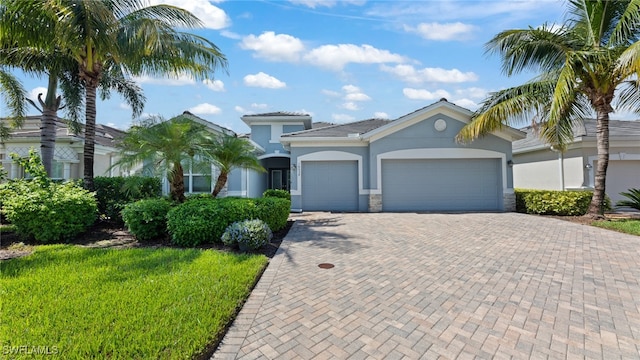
29	34
229	152
130	37
162	146
582	66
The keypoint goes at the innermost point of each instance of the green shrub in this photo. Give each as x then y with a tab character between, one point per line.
147	219
277	193
273	211
44	210
52	213
553	202
247	234
200	221
633	199
113	193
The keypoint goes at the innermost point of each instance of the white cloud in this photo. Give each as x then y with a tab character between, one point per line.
268	45
380	115
124	106
325	3
259	106
423	94
180	80
215	85
113	125
336	57
33	94
342	118
353	93
466	103
264	81
230	35
442	32
330	93
240	109
472	92
408	73
350	106
205	109
212	16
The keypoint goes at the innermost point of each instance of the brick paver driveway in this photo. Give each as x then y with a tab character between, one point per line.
452	285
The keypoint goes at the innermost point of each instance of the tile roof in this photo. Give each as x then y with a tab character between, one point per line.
584	129
105	135
277	113
340	130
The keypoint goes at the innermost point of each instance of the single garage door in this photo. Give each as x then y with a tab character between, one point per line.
622	175
441	185
330	185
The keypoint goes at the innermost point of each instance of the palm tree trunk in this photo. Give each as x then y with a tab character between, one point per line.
48	124
222	179
596	208
176	183
89	134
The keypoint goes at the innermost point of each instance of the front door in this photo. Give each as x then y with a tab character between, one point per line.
279	179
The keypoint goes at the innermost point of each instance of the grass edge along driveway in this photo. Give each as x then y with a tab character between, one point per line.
75	303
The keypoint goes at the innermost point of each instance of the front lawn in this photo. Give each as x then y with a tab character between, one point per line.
139	303
629	226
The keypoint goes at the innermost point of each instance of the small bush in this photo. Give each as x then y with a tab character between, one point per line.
147	219
200	221
553	202
113	193
633	199
247	234
277	193
48	214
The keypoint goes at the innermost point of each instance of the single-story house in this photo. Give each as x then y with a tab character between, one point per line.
67	157
539	166
412	163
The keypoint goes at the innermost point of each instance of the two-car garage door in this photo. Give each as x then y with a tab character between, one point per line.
441	185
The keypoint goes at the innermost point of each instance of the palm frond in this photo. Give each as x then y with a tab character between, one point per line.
633	199
14	96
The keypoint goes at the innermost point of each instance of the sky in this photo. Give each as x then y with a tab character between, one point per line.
338	61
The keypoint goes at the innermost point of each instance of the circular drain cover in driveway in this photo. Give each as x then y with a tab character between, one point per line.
325	266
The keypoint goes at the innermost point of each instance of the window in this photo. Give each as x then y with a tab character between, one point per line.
195	181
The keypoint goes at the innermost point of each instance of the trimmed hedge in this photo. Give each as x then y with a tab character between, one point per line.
277	193
113	193
554	202
48	212
147	219
201	221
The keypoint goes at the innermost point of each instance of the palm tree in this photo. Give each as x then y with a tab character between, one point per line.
229	152
581	65
29	35
13	94
126	36
162	146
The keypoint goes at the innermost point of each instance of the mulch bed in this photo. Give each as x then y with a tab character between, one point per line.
108	235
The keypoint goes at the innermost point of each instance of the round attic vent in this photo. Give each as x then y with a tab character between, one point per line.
440	125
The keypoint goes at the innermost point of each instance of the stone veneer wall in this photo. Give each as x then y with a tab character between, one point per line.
375	203
509	201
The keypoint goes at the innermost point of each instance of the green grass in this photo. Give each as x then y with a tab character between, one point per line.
628	226
121	304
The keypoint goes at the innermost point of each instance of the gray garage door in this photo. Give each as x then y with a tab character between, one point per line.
441	185
330	186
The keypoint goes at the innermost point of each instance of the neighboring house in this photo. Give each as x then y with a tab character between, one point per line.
539	166
67	158
409	164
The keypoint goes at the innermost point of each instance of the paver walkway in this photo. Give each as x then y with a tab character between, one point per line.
443	285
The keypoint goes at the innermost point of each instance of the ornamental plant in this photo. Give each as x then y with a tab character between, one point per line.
147	219
248	234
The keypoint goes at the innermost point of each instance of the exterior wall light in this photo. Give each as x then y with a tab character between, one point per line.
588	166
510	163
